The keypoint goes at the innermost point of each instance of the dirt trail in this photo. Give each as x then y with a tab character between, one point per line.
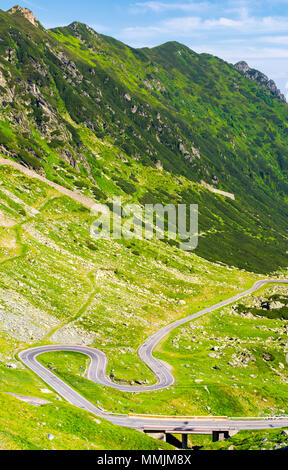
85	201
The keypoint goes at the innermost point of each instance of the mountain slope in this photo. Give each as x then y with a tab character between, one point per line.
151	125
157	125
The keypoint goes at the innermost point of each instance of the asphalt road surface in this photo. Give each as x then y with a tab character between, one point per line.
97	373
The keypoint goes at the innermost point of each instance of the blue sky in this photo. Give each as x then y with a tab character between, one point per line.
251	30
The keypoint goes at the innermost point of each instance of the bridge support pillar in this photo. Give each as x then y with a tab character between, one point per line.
170	439
184	441
220	435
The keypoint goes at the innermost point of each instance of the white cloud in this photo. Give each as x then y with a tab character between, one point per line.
234	52
189	25
244	25
281	40
160	7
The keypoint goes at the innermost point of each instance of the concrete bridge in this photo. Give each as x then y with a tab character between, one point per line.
168	434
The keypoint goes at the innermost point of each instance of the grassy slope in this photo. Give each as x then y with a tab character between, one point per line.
242	384
138	297
26	427
113	295
78	113
256	440
50	267
128	295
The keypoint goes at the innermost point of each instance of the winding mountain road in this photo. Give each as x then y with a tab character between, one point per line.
97	373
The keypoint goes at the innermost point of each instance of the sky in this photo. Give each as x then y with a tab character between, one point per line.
252	30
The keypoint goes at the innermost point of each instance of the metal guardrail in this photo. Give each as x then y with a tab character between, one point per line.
188	418
258	418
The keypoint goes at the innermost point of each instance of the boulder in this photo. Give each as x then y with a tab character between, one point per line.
267	357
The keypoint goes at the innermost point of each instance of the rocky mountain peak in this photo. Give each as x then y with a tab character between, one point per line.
76	26
255	75
28	14
242	66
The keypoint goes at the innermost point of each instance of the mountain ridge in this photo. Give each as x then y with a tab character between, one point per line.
256	75
83	108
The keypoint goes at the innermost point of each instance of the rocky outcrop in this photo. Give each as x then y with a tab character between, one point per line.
28	14
69	67
261	78
272	305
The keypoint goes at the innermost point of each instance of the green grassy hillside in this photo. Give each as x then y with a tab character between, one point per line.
162	125
225	364
58	426
58	286
150	125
